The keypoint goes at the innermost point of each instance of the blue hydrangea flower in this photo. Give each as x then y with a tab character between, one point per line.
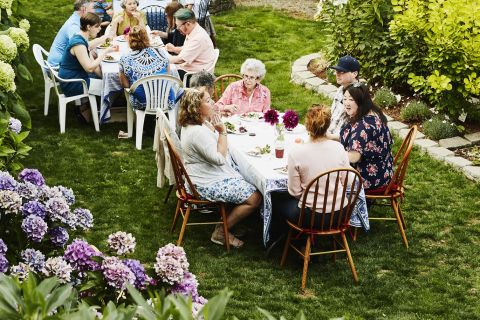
188	287
10	202
79	254
28	191
15	125
33	176
58	236
141	278
84	218
3	264
34	207
34	227
57	209
34	259
67	193
3	247
7	182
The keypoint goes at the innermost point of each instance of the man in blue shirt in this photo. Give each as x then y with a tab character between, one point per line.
69	29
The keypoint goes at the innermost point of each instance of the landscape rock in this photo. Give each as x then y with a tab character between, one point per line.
458	162
396	126
425	143
453	143
306	59
473	137
300	77
313	83
472	172
403	133
327	89
440	153
299	68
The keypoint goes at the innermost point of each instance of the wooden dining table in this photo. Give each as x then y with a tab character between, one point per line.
267	172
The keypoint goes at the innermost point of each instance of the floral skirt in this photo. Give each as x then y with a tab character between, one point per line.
230	190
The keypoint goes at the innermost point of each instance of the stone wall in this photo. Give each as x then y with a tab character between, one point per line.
221	5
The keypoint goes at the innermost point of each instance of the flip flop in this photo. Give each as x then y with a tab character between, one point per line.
234	242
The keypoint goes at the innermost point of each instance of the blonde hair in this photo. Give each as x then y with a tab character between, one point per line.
317	120
189	113
138	38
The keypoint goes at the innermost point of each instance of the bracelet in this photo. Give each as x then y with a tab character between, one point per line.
223	134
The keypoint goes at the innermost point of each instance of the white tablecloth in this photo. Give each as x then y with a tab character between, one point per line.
111	81
260	171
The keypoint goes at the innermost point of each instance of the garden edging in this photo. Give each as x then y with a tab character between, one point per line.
437	150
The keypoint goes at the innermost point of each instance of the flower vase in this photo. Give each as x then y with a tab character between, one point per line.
279	140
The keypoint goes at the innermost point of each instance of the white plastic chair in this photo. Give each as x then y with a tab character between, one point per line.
186	79
157	89
217	54
63	100
41	55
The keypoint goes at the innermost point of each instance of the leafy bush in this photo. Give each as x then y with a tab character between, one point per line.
384	98
415	111
438	128
14	42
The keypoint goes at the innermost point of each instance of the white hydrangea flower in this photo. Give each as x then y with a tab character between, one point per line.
57	266
339	3
24	24
20	37
6	4
121	243
8	48
7	77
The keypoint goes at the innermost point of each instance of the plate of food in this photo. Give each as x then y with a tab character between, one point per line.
156	42
105	45
109	58
260	151
235	129
252	116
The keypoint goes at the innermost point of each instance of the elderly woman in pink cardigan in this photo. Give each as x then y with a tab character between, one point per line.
246	95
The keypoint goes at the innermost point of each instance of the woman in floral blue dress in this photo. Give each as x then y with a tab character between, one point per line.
367	139
142	62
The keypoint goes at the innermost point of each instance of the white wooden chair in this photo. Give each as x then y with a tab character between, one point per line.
63	100
157	89
217	54
41	55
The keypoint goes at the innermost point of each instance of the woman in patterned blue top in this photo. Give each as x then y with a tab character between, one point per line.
76	62
367	138
142	62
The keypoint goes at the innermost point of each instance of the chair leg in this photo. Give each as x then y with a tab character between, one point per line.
285	248
170	188
334	255
400	213
130	119
399	222
349	258
306	260
140	115
175	218
93	108
47	99
355	233
225	226
62	109
184	225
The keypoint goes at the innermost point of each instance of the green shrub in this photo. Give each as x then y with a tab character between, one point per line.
331	78
384	98
415	111
438	128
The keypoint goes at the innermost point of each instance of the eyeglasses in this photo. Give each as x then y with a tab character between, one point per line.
247	77
181	25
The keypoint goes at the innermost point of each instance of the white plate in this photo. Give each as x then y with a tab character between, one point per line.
252	116
121	39
110	61
236	132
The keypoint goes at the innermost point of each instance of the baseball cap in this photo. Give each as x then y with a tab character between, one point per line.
347	64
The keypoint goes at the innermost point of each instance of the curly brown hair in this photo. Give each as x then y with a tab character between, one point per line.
189	113
317	120
138	38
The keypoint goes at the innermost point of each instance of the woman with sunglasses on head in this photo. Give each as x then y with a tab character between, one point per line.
367	138
248	94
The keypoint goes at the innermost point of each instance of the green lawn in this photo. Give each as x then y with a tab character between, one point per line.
437	278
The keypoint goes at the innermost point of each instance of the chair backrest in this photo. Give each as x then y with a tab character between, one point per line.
400	162
342	186
216	52
41	56
181	175
56	80
157	90
222	82
202	12
156	17
186	79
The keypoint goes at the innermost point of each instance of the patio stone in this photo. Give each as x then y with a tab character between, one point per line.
473	137
298	68
472	172
425	143
396	126
455	142
403	133
300	77
458	162
313	83
388	117
439	153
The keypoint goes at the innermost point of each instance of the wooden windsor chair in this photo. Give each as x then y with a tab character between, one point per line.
222	82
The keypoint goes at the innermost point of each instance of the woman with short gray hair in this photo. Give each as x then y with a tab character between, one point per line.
248	94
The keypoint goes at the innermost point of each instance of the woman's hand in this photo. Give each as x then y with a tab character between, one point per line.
136	14
230	109
170	47
217	123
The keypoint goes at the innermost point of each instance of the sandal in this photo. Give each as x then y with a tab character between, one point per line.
219	238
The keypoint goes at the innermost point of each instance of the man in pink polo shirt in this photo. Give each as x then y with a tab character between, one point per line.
197	52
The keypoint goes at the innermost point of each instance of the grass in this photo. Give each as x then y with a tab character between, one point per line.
437	278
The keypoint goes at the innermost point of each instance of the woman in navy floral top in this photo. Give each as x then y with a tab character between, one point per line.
367	138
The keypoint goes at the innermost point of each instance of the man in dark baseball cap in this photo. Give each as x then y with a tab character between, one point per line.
346	73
